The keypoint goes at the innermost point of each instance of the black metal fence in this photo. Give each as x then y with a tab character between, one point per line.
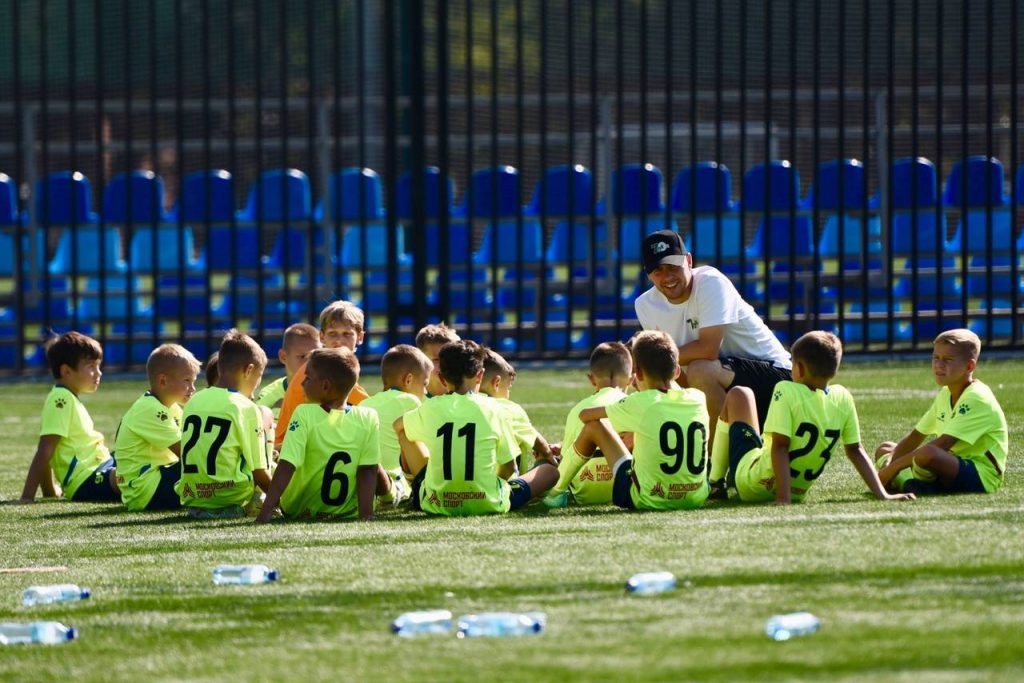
177	167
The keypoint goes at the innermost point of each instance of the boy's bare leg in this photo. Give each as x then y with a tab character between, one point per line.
943	464
541	478
600	435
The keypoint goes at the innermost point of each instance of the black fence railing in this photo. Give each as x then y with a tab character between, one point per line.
173	168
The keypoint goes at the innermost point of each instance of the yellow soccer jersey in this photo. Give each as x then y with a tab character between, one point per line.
669	447
222	443
390	405
818	423
81	448
593	484
272	395
142	447
978	424
467	439
522	429
327	448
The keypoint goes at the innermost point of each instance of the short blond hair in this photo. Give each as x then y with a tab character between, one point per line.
340	366
435	334
238	350
821	352
342	312
655	354
965	342
402	359
167	358
611	358
299	331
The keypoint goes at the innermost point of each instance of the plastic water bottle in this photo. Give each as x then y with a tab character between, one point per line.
786	626
243	574
492	624
647	583
61	592
44	632
424	621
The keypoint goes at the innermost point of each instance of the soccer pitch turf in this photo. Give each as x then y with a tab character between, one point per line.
928	590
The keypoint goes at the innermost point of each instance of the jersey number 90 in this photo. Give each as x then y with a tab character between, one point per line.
688	447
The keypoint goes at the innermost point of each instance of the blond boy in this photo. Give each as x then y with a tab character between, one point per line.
429	340
299	341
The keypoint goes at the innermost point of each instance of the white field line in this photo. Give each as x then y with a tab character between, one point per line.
881	516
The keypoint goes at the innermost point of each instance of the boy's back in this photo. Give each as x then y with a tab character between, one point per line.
593	484
81	448
818	423
467	439
522	429
222	443
979	425
669	452
326	448
143	437
272	395
390	405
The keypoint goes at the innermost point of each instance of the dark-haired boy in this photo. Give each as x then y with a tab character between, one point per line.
808	419
330	460
499	375
668	467
224	448
429	340
459	448
69	445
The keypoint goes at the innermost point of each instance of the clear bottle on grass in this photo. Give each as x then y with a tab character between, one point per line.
244	574
61	592
492	624
430	621
41	632
786	626
648	583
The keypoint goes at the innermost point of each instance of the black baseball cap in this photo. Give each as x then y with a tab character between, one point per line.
663	246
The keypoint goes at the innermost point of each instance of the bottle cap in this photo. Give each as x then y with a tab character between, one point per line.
72	633
86	593
273	575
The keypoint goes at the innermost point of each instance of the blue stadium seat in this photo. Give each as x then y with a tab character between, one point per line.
64	200
570	242
636	198
435	207
774	192
705	192
494	199
207	198
120	351
278	196
110	297
838	194
878	328
355	199
13	222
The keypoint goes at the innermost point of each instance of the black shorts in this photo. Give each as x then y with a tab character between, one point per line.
743	438
96	489
622	483
165	497
967	481
519	495
760	376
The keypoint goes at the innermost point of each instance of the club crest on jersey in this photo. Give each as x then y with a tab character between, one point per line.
964	409
186	492
586	475
658	490
293	426
434	500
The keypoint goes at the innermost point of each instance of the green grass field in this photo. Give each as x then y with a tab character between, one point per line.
929	590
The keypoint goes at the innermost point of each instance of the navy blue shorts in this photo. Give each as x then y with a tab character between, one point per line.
520	493
621	485
165	497
96	489
966	481
743	438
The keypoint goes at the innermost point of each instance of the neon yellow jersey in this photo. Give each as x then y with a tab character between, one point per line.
467	439
142	444
390	405
272	395
81	448
979	426
522	430
327	447
593	484
669	447
222	443
818	423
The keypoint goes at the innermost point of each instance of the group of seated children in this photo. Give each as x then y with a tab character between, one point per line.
444	434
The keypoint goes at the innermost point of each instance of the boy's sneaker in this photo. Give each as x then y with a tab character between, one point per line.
400	490
559	500
719	491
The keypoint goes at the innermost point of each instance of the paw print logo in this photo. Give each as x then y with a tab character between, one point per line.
162	415
777	395
964	409
293	426
60	403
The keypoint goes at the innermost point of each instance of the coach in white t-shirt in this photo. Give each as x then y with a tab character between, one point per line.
722	341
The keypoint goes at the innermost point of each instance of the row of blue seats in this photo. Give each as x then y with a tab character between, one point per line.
282	197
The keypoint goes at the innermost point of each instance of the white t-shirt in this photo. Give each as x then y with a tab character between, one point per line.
713	301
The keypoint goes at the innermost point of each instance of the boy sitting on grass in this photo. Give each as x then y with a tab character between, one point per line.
69	447
459	447
148	440
611	373
497	383
965	429
224	450
404	372
330	461
341	326
668	467
429	340
808	419
299	340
